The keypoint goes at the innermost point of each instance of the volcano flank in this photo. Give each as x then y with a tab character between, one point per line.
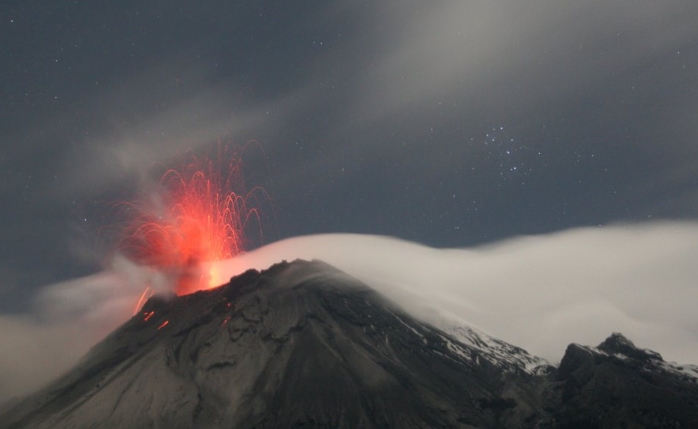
304	345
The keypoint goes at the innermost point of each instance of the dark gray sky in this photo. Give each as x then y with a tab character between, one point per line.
448	122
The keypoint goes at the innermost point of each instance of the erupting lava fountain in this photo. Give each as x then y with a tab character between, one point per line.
199	215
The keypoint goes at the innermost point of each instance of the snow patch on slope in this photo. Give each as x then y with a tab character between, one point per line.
654	363
510	358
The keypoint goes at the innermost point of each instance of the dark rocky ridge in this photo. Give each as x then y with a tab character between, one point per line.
304	345
618	385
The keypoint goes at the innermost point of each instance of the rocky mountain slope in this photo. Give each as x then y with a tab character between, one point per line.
304	345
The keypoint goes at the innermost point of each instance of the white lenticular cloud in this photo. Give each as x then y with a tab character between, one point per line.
538	292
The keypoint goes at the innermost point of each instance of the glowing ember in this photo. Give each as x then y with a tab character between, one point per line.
165	323
198	216
147	293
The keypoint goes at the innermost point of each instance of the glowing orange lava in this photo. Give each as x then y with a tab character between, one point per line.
198	215
147	293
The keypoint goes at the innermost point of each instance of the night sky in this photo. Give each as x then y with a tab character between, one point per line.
449	123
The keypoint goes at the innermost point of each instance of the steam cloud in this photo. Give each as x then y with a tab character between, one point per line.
538	292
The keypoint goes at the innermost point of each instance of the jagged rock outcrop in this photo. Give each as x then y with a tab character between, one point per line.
618	385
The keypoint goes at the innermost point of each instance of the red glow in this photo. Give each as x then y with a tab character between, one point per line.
165	323
148	316
199	214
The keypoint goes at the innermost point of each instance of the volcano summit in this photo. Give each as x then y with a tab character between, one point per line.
304	345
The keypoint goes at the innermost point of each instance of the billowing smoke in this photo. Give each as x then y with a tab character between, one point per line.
538	292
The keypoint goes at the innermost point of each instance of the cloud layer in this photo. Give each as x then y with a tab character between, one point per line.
537	292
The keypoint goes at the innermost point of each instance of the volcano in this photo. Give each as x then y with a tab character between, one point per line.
304	345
